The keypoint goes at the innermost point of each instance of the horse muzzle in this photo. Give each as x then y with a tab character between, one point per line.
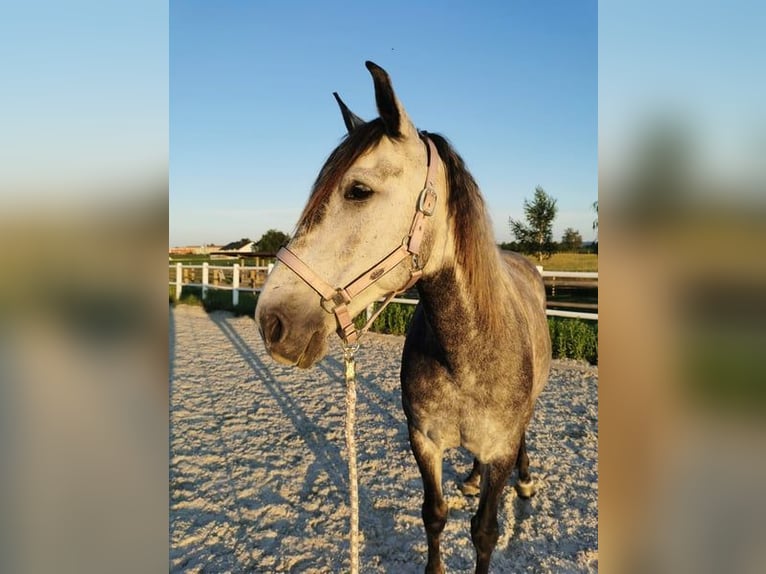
291	338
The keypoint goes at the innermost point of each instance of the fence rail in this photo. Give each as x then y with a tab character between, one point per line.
237	278
234	278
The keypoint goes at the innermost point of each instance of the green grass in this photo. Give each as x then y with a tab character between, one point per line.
197	259
568	262
216	300
189	258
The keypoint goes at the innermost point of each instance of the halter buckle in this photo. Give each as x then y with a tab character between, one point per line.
427	200
340	297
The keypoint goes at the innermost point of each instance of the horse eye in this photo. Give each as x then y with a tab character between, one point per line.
357	192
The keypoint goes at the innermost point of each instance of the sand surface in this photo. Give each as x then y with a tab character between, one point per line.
258	478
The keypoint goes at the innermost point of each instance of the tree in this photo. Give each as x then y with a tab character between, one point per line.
536	236
506	246
571	240
271	241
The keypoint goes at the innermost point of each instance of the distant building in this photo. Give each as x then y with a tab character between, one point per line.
181	250
193	249
241	246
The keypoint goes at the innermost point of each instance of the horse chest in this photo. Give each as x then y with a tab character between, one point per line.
470	411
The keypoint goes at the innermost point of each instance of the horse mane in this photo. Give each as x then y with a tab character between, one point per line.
356	143
475	247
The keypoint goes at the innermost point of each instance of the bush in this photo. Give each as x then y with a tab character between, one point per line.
574	339
394	320
570	338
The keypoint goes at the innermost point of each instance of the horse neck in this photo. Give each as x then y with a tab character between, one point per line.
464	274
453	313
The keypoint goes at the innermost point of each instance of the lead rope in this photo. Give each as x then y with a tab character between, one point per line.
353	484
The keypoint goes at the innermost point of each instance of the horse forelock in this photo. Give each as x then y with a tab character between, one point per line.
356	143
475	249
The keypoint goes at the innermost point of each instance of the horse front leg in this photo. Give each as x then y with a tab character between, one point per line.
484	527
429	458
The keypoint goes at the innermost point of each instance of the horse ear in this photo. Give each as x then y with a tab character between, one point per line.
351	120
390	109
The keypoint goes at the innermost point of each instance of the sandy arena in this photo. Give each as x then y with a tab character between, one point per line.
258	478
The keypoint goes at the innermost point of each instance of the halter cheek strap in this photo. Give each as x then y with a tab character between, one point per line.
336	299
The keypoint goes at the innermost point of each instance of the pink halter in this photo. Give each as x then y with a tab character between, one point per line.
336	299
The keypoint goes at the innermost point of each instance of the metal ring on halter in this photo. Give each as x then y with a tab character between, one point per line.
350	350
339	298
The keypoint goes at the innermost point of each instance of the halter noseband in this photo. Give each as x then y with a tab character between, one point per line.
336	299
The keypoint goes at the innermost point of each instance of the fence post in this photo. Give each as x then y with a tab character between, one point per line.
539	269
179	279
268	271
205	277
235	286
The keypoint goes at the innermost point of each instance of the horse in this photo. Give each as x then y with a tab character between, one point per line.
394	207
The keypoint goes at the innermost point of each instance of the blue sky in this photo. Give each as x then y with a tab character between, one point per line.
252	117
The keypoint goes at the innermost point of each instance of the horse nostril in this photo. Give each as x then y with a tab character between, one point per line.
273	328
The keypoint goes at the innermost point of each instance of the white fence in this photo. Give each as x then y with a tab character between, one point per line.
185	276
584	278
226	277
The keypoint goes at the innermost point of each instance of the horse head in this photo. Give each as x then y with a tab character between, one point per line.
371	227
